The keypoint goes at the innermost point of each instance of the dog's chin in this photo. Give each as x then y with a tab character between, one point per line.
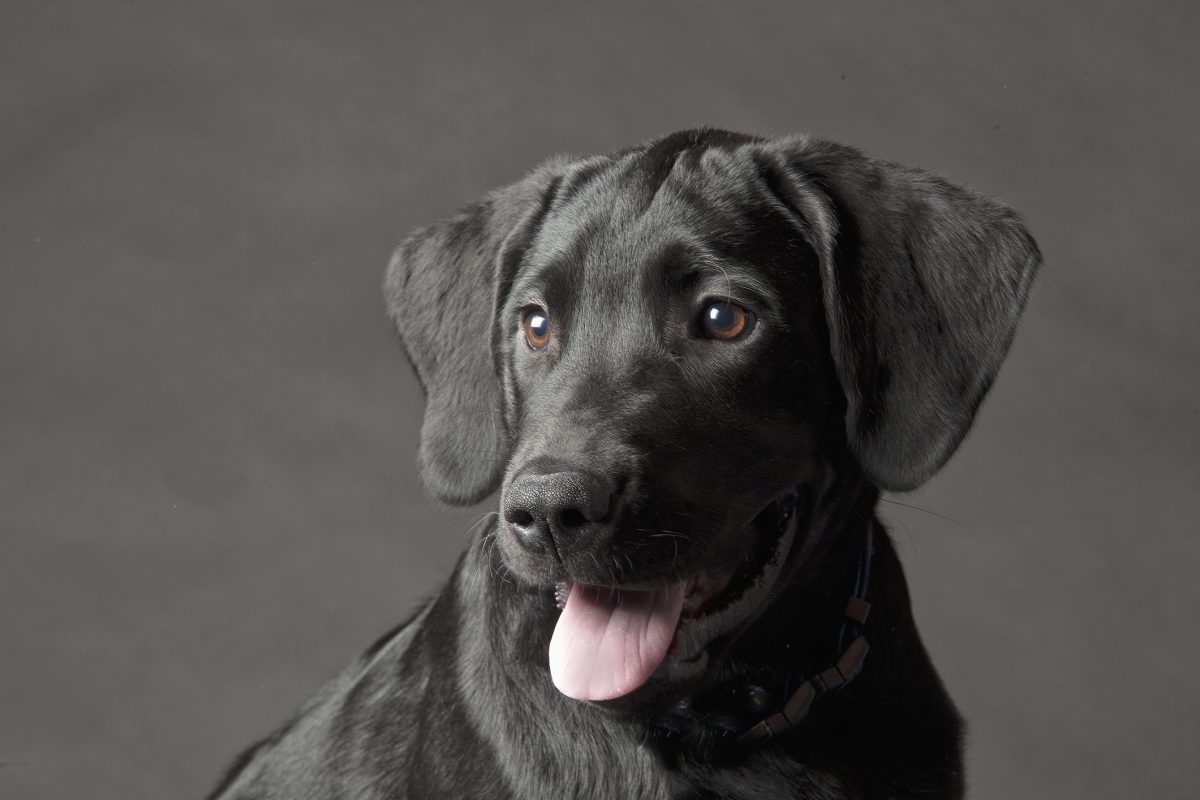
717	608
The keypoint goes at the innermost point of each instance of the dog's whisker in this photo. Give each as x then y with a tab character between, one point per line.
475	516
480	520
925	510
500	570
488	544
661	534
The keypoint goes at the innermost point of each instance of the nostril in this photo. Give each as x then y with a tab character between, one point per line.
520	517
572	518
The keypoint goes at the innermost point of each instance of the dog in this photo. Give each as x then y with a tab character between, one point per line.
689	367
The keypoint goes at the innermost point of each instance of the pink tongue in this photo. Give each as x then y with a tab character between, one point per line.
607	643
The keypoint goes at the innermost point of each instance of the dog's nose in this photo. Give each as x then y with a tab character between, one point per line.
557	512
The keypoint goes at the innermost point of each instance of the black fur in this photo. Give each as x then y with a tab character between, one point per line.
886	300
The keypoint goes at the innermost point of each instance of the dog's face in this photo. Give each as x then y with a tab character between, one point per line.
667	378
654	352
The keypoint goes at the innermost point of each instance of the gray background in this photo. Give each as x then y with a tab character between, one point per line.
207	431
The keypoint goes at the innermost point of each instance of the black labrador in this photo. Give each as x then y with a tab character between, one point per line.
690	367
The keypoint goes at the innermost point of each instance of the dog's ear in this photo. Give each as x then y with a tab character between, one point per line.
923	283
440	288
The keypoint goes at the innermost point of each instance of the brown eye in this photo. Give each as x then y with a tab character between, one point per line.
725	321
536	326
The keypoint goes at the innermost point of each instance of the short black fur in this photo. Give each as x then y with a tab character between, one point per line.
885	300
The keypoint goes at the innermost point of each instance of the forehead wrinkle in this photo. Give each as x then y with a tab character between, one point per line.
580	176
728	180
696	183
710	194
643	175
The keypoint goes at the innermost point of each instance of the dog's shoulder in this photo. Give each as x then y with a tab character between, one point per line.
331	746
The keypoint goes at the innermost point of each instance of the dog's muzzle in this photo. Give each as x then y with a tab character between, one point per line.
610	640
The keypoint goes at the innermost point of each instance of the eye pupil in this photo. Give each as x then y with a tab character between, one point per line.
726	321
721	316
536	325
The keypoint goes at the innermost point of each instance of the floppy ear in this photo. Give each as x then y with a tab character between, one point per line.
440	289
923	283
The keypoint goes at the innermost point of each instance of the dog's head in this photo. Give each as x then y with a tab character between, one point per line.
651	353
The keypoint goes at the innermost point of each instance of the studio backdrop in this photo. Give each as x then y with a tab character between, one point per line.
208	496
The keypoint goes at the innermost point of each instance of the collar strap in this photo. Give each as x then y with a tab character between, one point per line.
797	706
844	670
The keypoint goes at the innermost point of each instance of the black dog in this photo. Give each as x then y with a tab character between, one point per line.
690	367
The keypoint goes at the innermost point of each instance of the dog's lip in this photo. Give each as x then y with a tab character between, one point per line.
734	606
699	589
710	607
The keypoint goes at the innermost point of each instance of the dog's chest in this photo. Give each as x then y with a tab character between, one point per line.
556	757
760	778
630	775
633	775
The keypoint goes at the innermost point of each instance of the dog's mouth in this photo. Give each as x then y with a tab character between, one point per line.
610	640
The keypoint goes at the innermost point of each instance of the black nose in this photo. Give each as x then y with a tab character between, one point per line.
557	512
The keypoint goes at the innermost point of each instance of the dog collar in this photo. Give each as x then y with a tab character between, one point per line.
749	721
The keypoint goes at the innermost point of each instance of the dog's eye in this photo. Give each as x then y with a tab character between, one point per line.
536	326
726	321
